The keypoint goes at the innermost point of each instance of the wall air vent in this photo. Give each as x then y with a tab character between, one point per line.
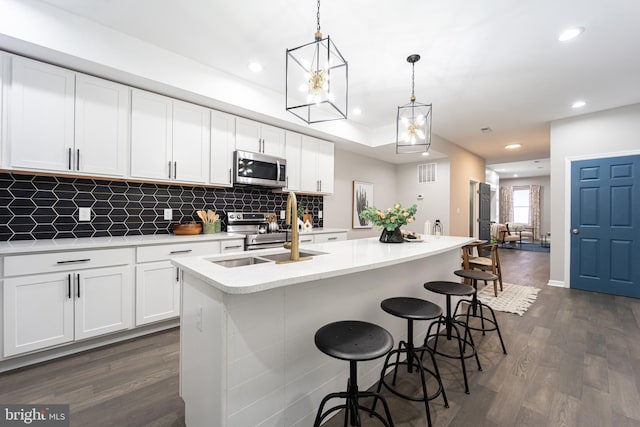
427	173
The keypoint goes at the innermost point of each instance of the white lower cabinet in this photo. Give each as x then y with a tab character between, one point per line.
157	292
158	281
50	309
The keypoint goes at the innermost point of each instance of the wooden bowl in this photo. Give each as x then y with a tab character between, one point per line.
187	229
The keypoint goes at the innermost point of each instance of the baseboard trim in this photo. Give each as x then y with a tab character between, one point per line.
557	283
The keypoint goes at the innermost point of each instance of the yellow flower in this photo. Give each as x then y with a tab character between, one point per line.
410	220
389	210
406	214
392	219
397	206
382	216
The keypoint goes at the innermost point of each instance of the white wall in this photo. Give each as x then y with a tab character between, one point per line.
545	196
349	167
604	134
435	204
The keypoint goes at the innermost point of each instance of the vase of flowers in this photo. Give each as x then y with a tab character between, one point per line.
390	220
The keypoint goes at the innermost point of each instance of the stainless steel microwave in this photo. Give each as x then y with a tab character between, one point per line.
259	169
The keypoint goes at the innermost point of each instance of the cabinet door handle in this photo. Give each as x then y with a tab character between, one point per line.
229	175
175	170
233	247
169	170
78	282
177	274
69	165
320	181
332	238
78	159
69	285
74	261
184	251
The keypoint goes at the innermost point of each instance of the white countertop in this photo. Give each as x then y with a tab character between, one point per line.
340	258
30	246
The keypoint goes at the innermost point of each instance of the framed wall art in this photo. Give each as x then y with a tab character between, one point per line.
362	199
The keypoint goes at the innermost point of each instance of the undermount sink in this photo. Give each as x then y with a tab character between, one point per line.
239	262
287	255
252	260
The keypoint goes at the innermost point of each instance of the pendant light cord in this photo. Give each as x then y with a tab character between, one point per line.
318	17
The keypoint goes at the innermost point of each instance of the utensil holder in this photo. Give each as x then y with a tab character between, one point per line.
212	227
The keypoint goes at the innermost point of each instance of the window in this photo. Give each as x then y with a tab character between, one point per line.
521	205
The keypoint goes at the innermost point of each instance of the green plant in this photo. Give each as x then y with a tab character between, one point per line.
392	218
300	211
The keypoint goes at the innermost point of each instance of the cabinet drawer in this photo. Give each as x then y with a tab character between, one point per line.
329	237
306	239
231	246
174	250
16	265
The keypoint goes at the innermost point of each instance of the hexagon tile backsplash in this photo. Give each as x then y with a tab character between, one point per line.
47	207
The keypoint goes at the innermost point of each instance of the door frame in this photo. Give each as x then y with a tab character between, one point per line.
567	203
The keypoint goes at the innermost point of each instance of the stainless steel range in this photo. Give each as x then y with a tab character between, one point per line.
256	229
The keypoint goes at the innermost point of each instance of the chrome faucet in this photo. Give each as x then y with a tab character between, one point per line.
291	218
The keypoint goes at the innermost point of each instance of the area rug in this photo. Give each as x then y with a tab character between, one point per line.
513	299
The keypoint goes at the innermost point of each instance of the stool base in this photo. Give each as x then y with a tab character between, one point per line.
472	312
463	342
352	405
412	361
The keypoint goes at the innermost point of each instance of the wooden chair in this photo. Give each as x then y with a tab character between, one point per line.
506	236
491	263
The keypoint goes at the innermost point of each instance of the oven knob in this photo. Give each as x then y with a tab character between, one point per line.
231	216
239	216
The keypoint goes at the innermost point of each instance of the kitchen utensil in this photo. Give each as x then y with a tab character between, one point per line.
202	215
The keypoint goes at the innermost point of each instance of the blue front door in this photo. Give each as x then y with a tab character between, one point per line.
605	225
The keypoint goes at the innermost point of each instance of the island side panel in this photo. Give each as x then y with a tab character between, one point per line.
202	353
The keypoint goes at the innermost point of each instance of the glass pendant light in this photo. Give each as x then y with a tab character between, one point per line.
317	80
413	124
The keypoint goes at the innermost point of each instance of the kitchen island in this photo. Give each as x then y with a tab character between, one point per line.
247	355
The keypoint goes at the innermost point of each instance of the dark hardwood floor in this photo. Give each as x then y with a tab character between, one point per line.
574	360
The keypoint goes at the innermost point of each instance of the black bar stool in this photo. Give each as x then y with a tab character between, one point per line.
475	304
449	289
354	341
412	309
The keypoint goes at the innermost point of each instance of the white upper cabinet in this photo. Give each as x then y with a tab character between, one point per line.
102	126
223	127
41	118
62	121
190	142
316	166
169	139
292	155
259	138
151	133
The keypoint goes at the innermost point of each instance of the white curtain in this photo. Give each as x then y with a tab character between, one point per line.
534	210
506	204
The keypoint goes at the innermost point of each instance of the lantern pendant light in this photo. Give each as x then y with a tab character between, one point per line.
413	124
317	80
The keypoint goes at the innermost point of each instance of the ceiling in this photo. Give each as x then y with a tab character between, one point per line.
490	63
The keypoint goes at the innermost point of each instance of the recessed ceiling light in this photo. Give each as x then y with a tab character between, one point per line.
512	146
515	175
356	111
578	104
256	67
570	34
426	153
